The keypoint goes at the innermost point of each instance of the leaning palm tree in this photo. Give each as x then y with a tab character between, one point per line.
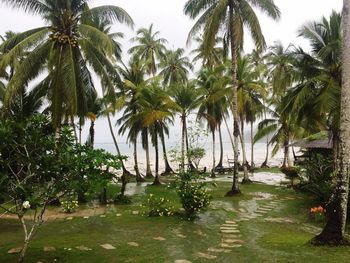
150	48
229	18
186	99
64	48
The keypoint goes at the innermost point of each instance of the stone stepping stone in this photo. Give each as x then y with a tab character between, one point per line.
242	210
69	218
118	214
15	250
159	238
86	217
219	250
49	249
224	245
228	228
261	212
204	255
135	212
264	209
230	222
107	246
233	241
181	236
231	231
270	206
83	248
182	261
133	244
102	216
229	225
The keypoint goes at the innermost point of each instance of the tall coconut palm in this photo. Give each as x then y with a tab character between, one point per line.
249	94
334	231
208	58
186	98
150	48
63	48
175	67
213	92
229	17
133	84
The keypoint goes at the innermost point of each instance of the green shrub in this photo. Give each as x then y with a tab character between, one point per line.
193	194
317	176
158	206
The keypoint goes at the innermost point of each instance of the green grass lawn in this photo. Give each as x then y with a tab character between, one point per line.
265	239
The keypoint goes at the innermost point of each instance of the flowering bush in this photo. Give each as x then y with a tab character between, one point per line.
69	206
318	213
158	206
193	194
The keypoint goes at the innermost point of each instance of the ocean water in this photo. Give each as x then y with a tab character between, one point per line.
104	140
207	161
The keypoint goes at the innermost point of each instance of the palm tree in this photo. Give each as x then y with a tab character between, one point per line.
209	58
333	232
175	67
130	91
156	111
150	48
249	94
319	79
186	98
64	48
213	104
229	17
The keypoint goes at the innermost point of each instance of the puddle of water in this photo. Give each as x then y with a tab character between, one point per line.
136	188
263	177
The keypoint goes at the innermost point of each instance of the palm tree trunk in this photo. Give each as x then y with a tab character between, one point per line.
156	179
229	133
235	187
168	169
264	164
190	165
221	148
182	168
252	164
92	134
286	162
80	130
136	165
74	128
125	171
333	232
148	162
245	169
213	170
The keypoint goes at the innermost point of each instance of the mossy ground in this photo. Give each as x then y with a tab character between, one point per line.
264	241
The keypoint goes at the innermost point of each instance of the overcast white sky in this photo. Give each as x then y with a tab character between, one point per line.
167	17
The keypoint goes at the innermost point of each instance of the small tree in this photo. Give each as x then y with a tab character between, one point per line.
38	166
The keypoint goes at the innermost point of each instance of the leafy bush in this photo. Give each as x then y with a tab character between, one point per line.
69	206
193	194
158	206
317	176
